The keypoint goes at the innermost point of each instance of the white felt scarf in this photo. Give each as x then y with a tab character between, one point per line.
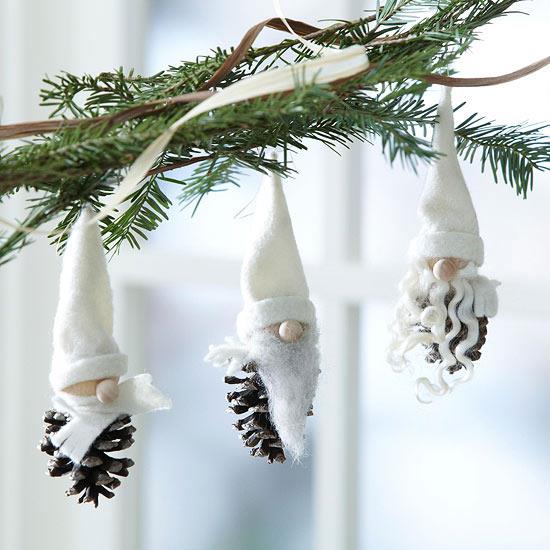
89	417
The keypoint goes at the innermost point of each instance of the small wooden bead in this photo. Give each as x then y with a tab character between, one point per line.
82	389
290	331
107	390
445	269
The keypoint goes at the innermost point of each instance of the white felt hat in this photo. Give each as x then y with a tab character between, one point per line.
83	343
273	283
449	221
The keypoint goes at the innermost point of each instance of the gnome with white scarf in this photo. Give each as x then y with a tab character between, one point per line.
91	408
275	366
445	304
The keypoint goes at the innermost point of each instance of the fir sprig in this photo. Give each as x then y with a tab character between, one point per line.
511	153
148	208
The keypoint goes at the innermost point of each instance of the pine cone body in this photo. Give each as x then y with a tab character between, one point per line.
474	353
257	430
92	476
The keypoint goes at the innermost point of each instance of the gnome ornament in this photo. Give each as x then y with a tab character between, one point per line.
275	364
91	408
445	304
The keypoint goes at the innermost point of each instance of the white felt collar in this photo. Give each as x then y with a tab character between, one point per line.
89	417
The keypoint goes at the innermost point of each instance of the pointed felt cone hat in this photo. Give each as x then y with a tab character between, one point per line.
449	222
273	283
83	344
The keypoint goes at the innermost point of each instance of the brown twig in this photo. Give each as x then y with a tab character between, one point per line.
239	53
458	82
16	131
175	165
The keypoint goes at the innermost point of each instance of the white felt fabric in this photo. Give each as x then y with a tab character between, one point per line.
485	296
83	343
272	265
231	354
89	417
449	222
273	283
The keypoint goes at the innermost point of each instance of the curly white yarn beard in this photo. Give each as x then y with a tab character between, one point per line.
422	306
290	372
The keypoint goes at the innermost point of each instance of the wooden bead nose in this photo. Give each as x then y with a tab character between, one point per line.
107	390
290	331
444	269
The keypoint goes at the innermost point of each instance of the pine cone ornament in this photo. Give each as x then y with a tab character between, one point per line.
93	476
445	259
86	370
278	337
257	430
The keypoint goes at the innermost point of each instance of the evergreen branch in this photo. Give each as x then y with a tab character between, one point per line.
83	161
448	21
512	153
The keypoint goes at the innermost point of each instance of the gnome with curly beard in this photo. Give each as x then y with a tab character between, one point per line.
445	304
275	365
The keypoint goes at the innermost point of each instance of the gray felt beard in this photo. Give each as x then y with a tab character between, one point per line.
290	372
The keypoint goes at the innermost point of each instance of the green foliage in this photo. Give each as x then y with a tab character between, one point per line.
405	40
512	153
147	209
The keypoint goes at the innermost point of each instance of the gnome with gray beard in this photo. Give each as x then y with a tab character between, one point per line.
445	304
274	367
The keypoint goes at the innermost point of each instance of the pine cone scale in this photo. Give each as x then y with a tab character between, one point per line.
257	430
